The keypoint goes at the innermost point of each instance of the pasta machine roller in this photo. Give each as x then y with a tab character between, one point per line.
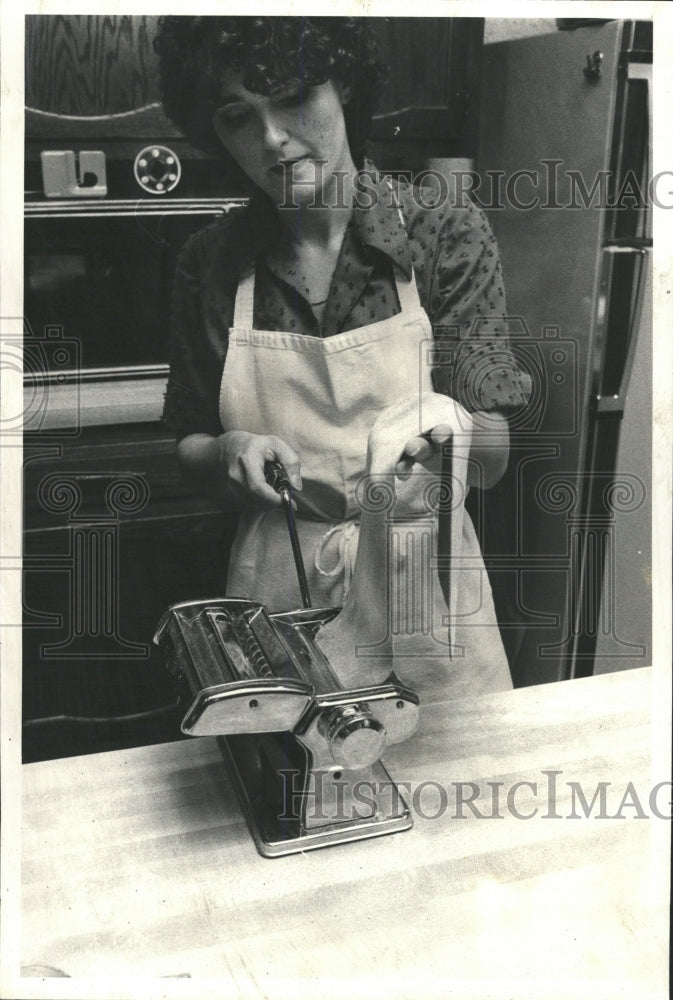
303	751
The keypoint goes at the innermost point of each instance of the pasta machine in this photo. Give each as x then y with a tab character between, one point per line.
302	750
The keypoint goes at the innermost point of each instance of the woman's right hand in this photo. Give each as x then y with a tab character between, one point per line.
230	467
242	457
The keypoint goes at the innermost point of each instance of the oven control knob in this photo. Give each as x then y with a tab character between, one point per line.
157	169
355	738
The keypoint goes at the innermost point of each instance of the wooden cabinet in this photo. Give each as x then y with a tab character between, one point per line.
89	65
90	76
429	106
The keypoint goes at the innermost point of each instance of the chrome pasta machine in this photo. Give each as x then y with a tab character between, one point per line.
302	750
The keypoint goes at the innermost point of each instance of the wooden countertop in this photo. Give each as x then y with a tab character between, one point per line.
138	863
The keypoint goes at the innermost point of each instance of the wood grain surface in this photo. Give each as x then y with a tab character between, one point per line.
138	863
89	64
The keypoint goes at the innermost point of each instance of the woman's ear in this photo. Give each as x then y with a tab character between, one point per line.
345	91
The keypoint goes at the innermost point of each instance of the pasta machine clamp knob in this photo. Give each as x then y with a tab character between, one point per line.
355	737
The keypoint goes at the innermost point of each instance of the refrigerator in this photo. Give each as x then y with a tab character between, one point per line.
563	175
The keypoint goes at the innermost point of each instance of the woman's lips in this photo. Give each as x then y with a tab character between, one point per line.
285	167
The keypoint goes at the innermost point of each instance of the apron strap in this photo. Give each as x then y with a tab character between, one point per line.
345	563
245	299
407	291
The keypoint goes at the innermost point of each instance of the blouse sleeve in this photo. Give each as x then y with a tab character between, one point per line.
474	362
197	345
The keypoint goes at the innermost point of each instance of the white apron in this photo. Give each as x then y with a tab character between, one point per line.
321	396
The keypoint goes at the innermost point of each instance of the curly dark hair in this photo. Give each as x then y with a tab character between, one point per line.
195	52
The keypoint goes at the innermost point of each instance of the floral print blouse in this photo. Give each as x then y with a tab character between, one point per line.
449	247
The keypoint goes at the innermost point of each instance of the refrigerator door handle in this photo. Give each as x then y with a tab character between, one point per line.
643	71
615	402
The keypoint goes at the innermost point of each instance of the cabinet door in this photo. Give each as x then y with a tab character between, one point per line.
89	65
92	76
428	108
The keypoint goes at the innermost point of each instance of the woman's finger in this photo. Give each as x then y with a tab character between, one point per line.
252	464
417	449
440	434
289	459
261	490
422	448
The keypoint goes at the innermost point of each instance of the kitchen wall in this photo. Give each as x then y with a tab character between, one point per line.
500	29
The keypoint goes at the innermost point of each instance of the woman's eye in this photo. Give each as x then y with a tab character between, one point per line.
232	118
293	100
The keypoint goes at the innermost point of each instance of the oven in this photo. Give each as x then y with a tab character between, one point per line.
97	291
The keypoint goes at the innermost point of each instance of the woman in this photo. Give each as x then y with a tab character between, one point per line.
298	320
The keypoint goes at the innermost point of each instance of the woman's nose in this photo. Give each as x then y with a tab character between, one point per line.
274	133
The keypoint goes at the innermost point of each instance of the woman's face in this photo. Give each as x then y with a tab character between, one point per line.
295	135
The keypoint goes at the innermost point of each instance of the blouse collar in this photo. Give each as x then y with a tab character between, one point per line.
377	221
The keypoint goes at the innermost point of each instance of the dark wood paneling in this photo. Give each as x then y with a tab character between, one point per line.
419	51
89	64
435	68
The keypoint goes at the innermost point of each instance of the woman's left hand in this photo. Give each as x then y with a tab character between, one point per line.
489	450
423	449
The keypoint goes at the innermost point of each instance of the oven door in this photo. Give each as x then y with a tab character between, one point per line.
97	283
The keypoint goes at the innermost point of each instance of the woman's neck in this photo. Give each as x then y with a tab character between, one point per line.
322	222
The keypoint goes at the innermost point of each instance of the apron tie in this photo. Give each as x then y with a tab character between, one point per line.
345	562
